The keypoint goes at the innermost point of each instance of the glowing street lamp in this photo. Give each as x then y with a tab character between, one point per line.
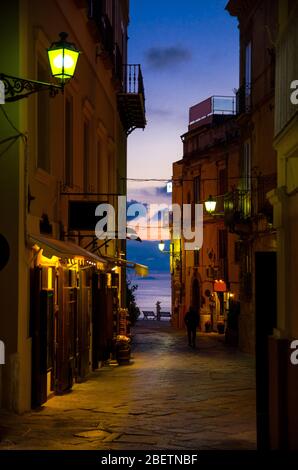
63	57
210	205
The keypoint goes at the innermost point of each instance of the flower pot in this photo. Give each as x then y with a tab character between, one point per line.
123	350
123	356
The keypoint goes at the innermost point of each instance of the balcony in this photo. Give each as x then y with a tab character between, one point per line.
214	106
241	207
237	210
131	100
243	100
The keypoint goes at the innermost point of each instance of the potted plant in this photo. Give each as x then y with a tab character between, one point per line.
208	326
220	327
123	349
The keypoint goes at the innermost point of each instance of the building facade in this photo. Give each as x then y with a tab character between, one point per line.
62	289
283	373
251	214
207	278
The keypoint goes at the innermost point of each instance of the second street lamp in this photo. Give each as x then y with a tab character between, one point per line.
210	205
63	57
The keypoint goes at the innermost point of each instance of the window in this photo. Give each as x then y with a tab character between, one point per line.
222	188
196	189
43	121
223	181
247	166
196	195
248	57
237	251
196	258
68	164
99	166
223	244
248	61
86	156
223	252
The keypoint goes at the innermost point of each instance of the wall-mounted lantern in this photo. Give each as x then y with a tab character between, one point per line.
63	57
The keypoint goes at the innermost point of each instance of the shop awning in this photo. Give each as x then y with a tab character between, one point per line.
64	250
140	269
220	286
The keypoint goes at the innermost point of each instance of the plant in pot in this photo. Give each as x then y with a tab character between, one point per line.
221	327
123	349
208	326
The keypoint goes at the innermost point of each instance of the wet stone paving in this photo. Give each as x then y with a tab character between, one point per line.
169	397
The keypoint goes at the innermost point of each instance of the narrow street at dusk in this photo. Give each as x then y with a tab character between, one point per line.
169	397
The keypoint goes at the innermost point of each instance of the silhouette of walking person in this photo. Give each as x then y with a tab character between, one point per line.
191	321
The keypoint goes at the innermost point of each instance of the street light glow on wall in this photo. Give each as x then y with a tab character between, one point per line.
210	204
63	57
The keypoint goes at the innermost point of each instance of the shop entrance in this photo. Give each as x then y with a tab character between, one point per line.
265	318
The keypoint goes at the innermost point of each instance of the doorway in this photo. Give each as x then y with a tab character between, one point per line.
196	295
265	321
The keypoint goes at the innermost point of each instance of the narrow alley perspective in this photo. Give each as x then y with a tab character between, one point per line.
169	396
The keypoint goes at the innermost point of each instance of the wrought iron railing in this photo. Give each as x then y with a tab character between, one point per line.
133	79
237	206
240	205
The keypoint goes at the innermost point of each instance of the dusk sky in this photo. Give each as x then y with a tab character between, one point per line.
188	52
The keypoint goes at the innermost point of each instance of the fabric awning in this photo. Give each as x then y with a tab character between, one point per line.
61	249
220	286
140	269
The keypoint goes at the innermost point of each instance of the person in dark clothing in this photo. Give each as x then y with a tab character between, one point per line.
191	321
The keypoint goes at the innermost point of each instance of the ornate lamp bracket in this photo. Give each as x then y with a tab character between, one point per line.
17	88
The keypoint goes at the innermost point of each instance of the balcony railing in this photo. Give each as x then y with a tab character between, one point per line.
131	100
237	206
214	105
243	99
243	205
133	79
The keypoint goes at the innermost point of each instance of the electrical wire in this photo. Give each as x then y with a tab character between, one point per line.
10	122
13	141
169	180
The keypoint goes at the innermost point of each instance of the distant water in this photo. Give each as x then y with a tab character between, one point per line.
157	286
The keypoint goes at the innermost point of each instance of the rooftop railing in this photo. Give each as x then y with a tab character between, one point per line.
214	105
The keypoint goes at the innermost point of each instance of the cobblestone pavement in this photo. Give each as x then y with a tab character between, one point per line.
169	397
